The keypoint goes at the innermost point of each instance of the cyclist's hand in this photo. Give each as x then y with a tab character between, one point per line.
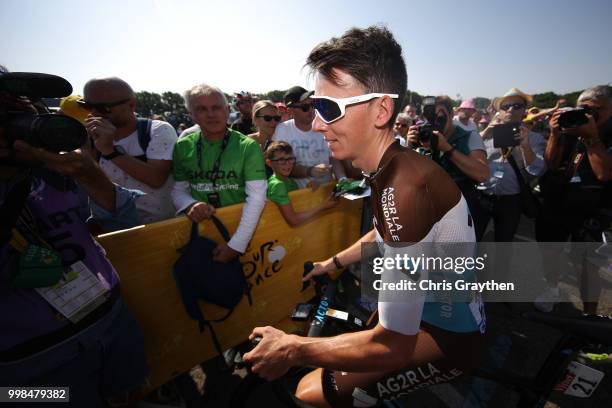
270	359
320	268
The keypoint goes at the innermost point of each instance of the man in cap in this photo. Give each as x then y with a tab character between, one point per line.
244	103
502	192
463	119
310	148
117	135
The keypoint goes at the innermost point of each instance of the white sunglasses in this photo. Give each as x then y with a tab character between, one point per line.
331	109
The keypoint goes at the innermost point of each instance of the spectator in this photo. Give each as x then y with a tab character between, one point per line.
401	125
244	104
501	196
279	156
310	148
265	118
217	167
461	153
580	169
410	110
483	122
464	116
128	162
98	352
180	128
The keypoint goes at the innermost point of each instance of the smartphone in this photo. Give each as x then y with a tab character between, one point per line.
301	312
504	134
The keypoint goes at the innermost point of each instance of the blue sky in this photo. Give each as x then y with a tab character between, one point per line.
470	48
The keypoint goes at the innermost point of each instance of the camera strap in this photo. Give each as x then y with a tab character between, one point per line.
13	205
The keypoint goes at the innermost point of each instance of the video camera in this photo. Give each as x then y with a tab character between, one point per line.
21	120
431	123
575	117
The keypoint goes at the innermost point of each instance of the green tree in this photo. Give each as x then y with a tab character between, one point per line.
482	103
275	95
149	103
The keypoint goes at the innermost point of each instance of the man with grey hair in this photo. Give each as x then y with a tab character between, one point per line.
125	157
401	125
217	167
577	185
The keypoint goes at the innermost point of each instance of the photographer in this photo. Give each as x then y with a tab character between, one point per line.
64	323
461	153
501	198
579	158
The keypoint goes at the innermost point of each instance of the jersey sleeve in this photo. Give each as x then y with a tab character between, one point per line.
163	139
278	193
254	168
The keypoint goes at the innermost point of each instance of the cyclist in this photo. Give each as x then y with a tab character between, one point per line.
360	79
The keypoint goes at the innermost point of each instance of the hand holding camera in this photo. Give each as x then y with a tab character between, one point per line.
102	132
579	121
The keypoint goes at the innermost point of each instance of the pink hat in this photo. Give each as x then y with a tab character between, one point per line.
467	104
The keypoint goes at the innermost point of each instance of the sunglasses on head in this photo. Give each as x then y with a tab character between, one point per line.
269	118
305	107
331	109
515	106
284	160
100	107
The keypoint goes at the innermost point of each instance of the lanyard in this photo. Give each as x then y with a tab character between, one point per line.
215	172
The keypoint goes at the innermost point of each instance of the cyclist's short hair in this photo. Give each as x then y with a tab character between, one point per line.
370	55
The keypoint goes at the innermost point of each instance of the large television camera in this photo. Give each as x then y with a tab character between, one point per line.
21	120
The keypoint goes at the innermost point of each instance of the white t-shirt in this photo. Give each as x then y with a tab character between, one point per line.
471	126
309	148
156	205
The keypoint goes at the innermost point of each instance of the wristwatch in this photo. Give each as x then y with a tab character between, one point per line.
117	151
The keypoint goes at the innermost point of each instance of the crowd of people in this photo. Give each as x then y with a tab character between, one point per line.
444	164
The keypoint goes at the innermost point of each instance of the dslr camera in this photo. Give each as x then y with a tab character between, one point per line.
571	118
431	123
20	92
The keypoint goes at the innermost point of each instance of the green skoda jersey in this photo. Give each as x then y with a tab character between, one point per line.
241	161
278	190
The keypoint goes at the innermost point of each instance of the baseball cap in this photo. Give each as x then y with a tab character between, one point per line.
70	107
296	94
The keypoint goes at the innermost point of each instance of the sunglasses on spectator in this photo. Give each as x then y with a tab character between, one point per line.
269	118
331	109
304	107
402	125
515	106
284	160
101	107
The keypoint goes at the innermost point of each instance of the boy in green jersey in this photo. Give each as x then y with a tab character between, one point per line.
279	156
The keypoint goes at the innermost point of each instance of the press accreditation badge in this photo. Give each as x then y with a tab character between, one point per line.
76	294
